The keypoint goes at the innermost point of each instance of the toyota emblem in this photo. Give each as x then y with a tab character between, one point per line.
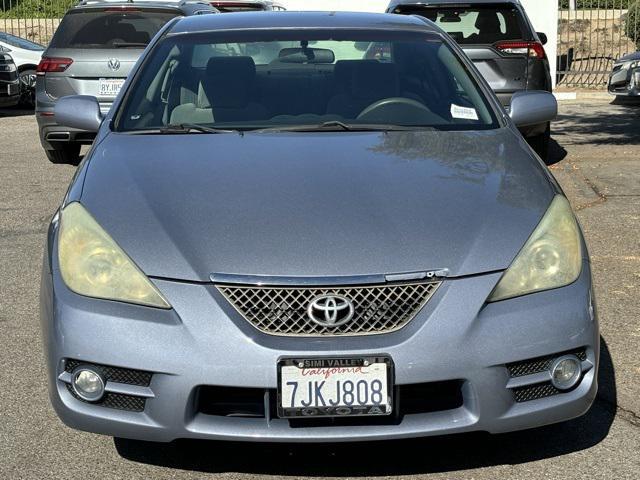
330	310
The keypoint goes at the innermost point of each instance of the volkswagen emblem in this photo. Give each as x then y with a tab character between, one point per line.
114	64
330	310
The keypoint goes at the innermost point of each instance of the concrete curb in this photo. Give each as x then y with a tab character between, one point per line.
578	95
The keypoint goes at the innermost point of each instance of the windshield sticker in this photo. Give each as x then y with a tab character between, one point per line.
464	113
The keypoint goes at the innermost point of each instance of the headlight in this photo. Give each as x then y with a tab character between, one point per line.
630	65
92	264
551	258
7	67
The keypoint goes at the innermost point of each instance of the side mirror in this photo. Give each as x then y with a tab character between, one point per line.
79	111
533	108
543	38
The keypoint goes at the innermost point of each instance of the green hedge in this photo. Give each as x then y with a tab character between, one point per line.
632	23
35	8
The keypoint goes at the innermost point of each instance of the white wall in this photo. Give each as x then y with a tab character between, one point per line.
543	15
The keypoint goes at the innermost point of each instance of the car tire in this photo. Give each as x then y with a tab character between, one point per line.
27	88
69	154
541	143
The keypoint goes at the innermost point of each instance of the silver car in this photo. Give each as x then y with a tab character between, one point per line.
91	53
624	80
316	246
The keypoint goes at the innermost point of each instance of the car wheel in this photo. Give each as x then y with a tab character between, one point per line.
68	154
28	88
540	144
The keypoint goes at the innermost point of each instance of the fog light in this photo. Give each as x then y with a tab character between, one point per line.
566	372
87	384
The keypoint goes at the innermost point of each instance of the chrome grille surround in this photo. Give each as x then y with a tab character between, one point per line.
282	311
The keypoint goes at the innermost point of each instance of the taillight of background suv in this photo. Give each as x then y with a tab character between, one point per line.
53	64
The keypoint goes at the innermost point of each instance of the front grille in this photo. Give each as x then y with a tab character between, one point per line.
540	364
534	392
114	374
411	399
283	310
231	401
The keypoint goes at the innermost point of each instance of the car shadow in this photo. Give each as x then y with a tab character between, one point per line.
16	112
392	458
626	101
607	124
557	152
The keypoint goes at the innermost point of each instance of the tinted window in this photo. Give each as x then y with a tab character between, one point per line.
298	78
477	25
109	28
20	42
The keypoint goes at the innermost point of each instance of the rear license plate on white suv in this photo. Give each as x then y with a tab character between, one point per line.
110	87
335	387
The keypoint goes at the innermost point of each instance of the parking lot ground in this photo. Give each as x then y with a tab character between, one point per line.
597	148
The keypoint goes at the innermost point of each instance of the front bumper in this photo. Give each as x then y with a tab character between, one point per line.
204	342
9	93
625	82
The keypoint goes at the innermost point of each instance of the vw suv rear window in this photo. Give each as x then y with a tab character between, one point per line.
483	25
110	28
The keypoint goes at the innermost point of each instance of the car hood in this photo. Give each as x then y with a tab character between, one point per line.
317	204
629	57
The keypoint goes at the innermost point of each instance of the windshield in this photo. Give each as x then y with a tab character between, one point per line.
110	28
482	25
20	42
301	78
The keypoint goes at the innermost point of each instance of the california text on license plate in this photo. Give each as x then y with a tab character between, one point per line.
335	387
110	87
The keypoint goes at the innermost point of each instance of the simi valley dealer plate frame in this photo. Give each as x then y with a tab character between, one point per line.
350	368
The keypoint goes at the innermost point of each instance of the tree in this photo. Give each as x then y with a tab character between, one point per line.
632	23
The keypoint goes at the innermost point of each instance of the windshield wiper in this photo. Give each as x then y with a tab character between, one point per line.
335	125
183	128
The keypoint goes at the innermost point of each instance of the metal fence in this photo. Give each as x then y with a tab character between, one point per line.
36	20
591	36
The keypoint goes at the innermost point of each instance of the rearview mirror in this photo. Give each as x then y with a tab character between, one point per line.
306	55
533	108
79	111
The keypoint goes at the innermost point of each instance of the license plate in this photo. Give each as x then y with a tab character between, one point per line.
335	387
109	87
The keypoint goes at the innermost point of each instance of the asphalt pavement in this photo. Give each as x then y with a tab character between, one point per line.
597	150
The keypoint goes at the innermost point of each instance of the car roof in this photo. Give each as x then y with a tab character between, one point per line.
301	20
397	3
184	5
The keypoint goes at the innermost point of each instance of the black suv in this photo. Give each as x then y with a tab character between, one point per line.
499	38
9	83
